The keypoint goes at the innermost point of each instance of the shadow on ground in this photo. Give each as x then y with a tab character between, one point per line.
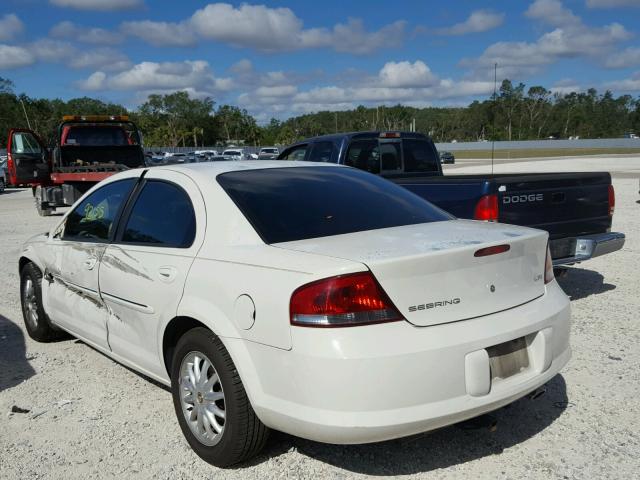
580	283
443	448
14	365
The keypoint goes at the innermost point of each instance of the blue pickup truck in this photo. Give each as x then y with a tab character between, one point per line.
575	208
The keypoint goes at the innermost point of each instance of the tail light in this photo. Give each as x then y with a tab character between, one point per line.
548	268
11	169
487	208
612	200
342	301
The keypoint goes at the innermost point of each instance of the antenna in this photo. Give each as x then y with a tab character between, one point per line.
493	127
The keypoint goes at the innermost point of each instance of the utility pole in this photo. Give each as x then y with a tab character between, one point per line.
25	112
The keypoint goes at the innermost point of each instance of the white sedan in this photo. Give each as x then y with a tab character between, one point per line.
317	300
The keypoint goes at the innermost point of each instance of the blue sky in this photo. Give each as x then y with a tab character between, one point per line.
285	58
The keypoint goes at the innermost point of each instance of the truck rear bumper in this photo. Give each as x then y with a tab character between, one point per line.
591	246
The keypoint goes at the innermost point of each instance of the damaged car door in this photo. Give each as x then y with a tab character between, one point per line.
144	269
73	299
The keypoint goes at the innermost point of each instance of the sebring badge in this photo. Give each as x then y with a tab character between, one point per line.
427	306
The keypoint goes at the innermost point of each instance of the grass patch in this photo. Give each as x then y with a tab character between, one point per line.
543	152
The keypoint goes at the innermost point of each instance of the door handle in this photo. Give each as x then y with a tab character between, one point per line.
90	262
167	274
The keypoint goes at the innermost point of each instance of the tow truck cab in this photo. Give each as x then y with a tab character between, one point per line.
85	150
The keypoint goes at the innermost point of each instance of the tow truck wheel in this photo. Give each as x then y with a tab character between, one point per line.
43	211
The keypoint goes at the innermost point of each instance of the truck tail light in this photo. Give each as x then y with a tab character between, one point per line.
11	169
612	200
548	267
342	301
487	208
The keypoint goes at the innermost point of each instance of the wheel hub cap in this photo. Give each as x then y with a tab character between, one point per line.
202	398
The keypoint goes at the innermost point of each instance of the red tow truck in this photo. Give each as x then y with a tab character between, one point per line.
86	150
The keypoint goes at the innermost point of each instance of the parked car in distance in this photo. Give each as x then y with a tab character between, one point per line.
447	157
359	313
208	153
575	208
268	153
234	154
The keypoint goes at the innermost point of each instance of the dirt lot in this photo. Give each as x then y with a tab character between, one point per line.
89	417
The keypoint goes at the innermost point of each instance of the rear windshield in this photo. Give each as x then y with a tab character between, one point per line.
385	156
95	136
288	204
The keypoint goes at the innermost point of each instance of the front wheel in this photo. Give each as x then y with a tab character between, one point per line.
212	406
35	319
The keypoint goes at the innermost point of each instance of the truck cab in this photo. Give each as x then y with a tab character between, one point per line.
85	150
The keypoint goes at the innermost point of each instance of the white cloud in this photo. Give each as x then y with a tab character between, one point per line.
612	3
553	13
565	86
57	51
99	36
10	27
94	82
629	57
265	29
195	76
570	39
478	21
406	74
99	5
14	57
631	84
161	34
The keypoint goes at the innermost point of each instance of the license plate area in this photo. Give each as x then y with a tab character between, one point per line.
508	359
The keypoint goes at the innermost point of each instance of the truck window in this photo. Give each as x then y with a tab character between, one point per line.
364	155
390	157
322	152
419	156
296	153
92	135
25	142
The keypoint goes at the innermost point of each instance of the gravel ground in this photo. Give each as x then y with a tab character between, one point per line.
90	417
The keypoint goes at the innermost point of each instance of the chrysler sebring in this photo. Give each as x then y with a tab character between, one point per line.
318	300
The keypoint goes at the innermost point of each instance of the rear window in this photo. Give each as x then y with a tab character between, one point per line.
288	204
419	156
94	136
384	156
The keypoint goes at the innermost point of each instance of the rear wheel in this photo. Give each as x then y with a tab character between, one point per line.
211	403
35	319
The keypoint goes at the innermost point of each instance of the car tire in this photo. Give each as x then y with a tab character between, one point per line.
243	435
1	185
36	320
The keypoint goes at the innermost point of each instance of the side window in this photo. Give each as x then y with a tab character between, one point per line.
322	152
296	153
162	216
92	220
364	155
25	142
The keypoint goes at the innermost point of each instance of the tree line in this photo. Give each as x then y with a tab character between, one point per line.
512	113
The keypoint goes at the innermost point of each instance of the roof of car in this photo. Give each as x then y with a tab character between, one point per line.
216	168
369	134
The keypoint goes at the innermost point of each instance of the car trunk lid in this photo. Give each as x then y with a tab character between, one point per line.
431	272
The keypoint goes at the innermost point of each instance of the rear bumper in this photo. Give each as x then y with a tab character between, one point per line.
591	246
368	384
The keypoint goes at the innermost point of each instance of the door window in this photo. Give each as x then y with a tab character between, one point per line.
93	218
163	216
25	142
364	155
321	152
296	153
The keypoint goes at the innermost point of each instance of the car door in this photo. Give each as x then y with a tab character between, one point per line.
73	296
27	158
143	272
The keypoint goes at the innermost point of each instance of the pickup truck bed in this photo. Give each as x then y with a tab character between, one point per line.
570	206
575	208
